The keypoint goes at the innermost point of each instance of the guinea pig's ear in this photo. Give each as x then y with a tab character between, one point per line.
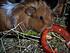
29	11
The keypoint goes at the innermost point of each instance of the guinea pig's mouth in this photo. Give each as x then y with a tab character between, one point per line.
45	27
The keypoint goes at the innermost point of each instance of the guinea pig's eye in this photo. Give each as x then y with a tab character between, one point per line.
41	17
29	11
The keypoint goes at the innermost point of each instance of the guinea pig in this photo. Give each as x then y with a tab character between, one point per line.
5	23
42	17
35	15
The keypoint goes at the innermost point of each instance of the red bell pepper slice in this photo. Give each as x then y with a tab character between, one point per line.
54	28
